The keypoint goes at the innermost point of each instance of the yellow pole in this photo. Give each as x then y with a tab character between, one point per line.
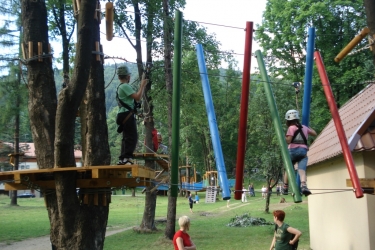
352	44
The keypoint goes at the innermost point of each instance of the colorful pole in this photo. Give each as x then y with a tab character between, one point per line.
176	102
357	39
308	77
242	131
338	124
308	83
279	131
215	137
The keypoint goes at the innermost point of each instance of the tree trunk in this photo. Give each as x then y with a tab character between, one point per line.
73	225
13	200
168	31
148	219
41	85
370	13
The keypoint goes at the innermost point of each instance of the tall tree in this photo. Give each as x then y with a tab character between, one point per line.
10	39
263	150
167	38
73	225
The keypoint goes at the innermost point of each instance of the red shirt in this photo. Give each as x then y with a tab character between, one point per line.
185	239
155	139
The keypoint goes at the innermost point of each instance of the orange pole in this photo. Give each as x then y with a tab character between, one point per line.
338	124
352	44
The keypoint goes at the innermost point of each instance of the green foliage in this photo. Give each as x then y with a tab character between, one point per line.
283	37
12	91
245	220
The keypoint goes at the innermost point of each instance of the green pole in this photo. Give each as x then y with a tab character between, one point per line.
279	131
176	101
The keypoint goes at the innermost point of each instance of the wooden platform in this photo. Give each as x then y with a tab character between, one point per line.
87	177
161	160
368	185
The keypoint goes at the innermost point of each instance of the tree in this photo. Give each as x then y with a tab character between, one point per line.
282	35
263	150
61	22
73	225
11	88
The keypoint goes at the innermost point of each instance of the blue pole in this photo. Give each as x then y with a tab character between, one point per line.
308	77
308	83
222	173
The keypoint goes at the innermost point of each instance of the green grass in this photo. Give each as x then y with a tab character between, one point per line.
208	222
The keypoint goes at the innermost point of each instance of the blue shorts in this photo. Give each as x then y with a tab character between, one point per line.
299	155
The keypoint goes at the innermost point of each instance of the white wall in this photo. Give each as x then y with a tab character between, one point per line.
338	220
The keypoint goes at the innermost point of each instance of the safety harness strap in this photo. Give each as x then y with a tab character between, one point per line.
299	132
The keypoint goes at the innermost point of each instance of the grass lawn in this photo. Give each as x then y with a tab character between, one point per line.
208	222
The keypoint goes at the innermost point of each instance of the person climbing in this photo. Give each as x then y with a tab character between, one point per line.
126	97
296	138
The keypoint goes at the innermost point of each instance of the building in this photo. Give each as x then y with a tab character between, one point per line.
337	219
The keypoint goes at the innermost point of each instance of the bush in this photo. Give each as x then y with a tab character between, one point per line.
246	220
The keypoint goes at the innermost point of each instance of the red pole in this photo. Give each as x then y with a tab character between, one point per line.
338	124
242	135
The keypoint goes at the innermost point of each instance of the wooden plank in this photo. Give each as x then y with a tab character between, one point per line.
143	172
363	182
96	199
95	173
118	174
6	177
85	183
150	155
79	169
86	199
17	178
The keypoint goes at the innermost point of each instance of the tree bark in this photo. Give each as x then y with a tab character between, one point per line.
73	225
148	219
13	200
168	31
42	92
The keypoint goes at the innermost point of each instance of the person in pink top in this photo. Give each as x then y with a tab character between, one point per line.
181	239
296	138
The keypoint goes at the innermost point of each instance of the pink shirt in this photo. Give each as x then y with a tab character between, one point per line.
293	129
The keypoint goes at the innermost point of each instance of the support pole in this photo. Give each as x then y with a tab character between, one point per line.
279	131
308	83
338	124
242	131
176	102
308	77
215	137
357	39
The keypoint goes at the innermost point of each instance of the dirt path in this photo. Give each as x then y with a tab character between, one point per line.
43	243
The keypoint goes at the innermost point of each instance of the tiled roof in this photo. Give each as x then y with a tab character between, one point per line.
358	119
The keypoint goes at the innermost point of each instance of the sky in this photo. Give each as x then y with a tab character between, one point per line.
218	12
